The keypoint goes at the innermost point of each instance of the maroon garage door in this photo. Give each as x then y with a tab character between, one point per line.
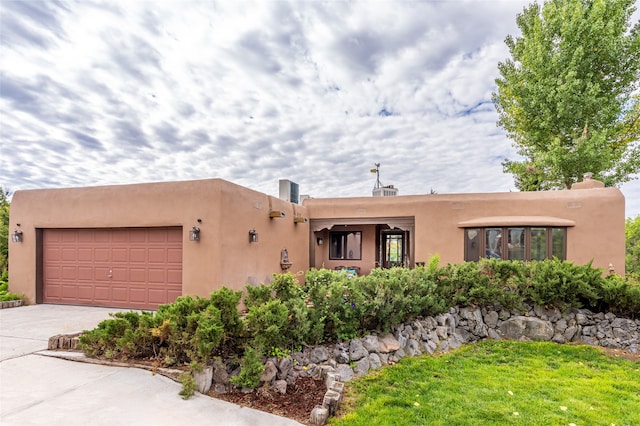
136	268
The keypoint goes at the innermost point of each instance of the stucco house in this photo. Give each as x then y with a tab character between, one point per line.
137	246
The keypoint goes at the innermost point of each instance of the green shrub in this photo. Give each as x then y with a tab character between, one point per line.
234	331
267	324
251	369
5	295
563	285
337	305
257	295
189	329
285	287
189	385
621	296
388	298
506	279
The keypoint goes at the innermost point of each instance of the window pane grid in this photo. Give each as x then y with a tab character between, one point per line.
345	245
515	243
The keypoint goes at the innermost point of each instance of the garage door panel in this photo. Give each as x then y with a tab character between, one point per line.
174	276
120	294
69	291
53	253
120	275
85	236
69	237
126	267
85	254
137	255
137	275
69	273
102	293
52	291
174	256
157	255
138	295
120	236
85	292
101	254
157	276
157	236
119	255
174	235
157	296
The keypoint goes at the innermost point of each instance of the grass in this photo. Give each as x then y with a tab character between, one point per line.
499	383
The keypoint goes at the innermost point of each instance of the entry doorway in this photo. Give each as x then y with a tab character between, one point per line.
394	248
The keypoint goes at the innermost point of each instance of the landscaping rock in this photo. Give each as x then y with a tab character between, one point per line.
413	348
345	372
220	375
204	379
270	372
362	367
341	353
532	328
374	361
370	343
280	386
285	366
357	350
319	354
319	416
491	319
332	401
387	344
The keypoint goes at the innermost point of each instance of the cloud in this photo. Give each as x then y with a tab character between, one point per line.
120	92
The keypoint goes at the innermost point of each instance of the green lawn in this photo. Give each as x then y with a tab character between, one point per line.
499	383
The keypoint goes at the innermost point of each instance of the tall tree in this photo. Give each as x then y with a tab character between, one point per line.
4	230
632	231
568	96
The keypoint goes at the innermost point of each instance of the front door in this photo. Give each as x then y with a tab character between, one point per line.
394	248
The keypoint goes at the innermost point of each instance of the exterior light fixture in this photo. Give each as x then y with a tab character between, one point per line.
300	219
194	234
276	213
253	236
16	237
320	241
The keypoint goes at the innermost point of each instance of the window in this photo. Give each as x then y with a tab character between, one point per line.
515	243
345	245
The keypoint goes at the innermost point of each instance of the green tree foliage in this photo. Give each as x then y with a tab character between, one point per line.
632	232
568	96
4	230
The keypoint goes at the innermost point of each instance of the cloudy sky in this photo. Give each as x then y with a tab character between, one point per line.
95	93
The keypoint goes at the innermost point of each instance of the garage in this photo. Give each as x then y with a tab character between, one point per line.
138	268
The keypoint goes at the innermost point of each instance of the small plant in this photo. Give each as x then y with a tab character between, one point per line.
188	385
278	353
5	295
251	369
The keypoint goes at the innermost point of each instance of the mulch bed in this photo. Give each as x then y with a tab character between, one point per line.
296	404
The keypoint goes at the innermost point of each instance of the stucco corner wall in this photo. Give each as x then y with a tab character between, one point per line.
223	211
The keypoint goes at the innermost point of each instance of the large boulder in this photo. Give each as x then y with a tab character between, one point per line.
521	326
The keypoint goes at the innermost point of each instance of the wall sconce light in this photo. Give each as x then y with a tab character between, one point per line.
253	236
300	219
320	241
16	237
276	213
194	234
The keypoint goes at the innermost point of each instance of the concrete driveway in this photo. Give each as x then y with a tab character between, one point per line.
36	389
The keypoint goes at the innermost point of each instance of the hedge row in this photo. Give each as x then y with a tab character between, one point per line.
283	315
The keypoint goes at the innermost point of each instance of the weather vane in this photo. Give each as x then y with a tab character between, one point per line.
377	172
